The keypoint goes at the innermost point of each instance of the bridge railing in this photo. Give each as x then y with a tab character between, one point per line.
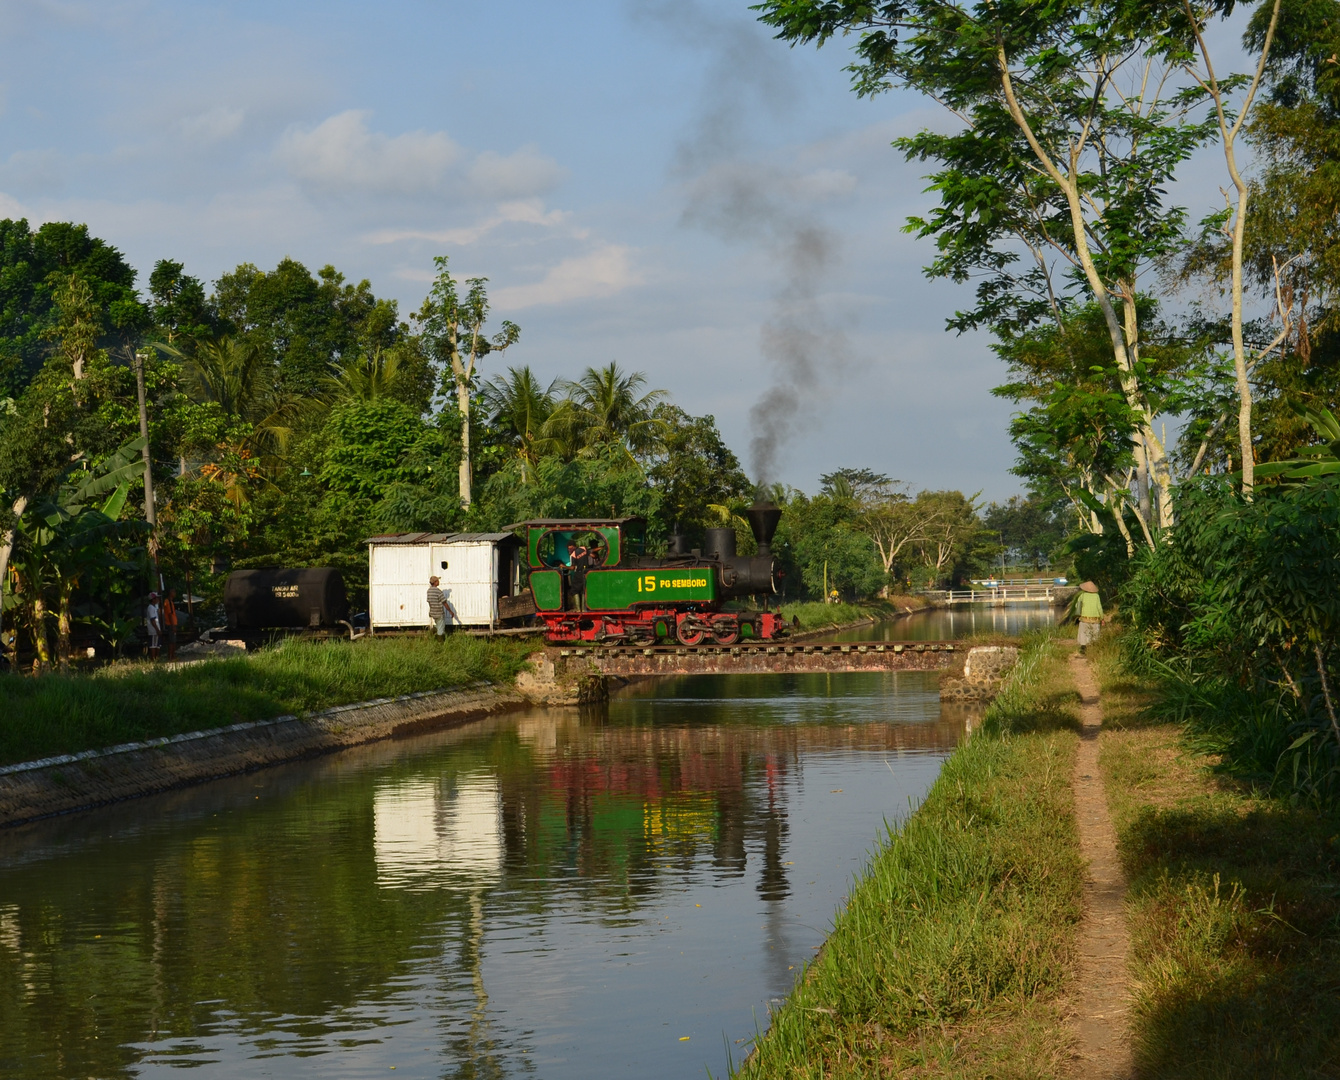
1000	594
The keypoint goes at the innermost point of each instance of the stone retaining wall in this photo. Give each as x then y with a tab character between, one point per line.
58	785
984	671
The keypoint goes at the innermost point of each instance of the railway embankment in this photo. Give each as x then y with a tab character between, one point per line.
953	953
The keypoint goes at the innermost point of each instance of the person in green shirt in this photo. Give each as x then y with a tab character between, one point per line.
1089	608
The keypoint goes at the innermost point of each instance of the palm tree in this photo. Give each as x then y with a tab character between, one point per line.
235	376
365	378
602	409
230	373
520	406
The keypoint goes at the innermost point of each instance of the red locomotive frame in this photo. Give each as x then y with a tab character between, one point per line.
662	626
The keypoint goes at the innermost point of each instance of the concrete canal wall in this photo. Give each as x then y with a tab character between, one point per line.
58	785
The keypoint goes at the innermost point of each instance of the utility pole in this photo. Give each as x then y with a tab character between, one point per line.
150	510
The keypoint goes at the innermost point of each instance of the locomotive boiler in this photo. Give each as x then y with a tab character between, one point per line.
591	582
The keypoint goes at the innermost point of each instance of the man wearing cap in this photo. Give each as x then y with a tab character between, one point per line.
438	607
151	620
1090	611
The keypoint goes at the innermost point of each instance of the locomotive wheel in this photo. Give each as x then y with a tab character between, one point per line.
688	633
725	633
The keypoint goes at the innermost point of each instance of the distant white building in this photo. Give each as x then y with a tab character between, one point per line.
474	569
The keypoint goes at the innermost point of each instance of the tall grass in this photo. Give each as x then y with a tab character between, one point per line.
58	714
1034	698
959	934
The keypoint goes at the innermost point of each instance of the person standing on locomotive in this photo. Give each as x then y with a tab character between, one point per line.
579	561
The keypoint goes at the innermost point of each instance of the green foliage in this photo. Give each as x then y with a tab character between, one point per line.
605	483
32	266
821	531
694	471
302	324
1030	529
606	408
1239	618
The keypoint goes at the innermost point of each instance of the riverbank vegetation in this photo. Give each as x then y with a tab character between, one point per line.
1234	901
62	714
951	956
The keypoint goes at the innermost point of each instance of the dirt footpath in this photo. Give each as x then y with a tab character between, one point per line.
1101	991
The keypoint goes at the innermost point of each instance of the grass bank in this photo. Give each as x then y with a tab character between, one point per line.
62	714
951	956
817	616
1234	902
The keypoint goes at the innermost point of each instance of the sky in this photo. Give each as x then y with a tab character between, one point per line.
653	182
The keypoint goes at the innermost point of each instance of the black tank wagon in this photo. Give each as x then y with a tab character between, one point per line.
285	599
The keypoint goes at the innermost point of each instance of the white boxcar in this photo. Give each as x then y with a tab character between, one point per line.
474	568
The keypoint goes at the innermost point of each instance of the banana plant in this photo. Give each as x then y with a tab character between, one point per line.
64	534
1312	461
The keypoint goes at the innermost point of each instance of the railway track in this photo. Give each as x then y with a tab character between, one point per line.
897	648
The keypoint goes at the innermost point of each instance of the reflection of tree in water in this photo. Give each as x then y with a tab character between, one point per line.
475	1051
772	884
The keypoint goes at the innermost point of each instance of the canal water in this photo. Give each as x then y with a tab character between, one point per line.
543	894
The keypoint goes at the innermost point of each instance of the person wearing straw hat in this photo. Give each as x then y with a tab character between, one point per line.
1090	611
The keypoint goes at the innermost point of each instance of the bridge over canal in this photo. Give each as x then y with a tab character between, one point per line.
631	661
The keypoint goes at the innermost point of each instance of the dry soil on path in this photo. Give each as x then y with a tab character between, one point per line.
1101	993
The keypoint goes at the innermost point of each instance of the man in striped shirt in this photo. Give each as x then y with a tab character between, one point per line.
437	607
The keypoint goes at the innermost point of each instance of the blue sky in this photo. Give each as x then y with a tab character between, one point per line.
656	183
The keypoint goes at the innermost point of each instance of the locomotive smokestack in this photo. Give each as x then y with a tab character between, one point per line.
763	518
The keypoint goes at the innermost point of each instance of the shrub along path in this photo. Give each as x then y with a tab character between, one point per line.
1101	990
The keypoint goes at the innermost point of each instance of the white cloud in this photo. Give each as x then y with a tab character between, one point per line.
36	171
341	152
603	272
10	207
522	212
211	126
524	172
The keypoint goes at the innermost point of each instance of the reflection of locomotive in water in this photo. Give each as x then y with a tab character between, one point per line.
591	582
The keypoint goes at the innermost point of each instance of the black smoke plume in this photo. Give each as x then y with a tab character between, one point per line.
745	199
